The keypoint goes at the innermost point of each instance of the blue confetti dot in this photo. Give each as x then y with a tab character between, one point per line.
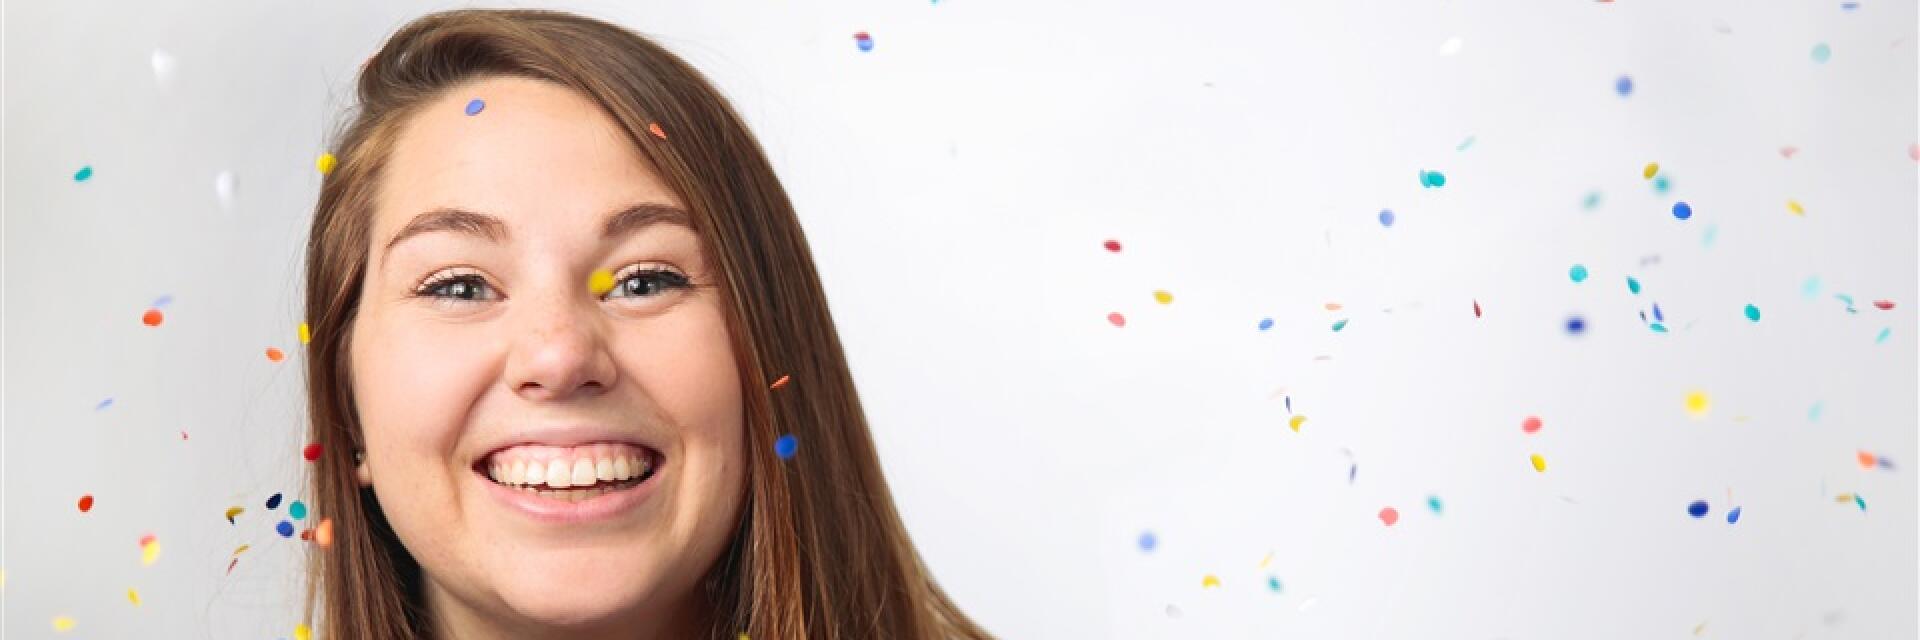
1698	509
1821	53
474	106
1623	86
1633	285
786	446
1753	313
273	502
298	510
162	301
1266	323
1733	516
1657	316
1576	325
103	404
1147	541
1578	273
1386	217
864	41
284	528
1849	6
83	174
1682	210
1813	412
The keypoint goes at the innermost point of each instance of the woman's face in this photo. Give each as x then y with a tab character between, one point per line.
493	380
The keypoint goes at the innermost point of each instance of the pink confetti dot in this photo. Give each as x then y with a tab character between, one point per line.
1117	319
1531	424
1113	245
1389	515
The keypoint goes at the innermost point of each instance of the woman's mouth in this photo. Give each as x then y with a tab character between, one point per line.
570	474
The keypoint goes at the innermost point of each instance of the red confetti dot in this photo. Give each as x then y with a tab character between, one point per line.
1884	305
781	382
152	318
146	540
1531	424
1389	515
657	132
86	503
1113	245
1866	461
1117	319
1476	308
275	354
312	452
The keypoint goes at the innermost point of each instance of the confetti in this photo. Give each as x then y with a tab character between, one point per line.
1698	403
1295	423
1883	305
133	597
1209	581
1476	308
85	173
1787	152
1633	286
781	382
1273	583
1649	171
1591	202
1433	503
273	502
1386	218
1697	509
1266	323
1578	273
600	282
1821	53
62	624
298	510
1884	333
1531	424
284	528
1148	541
1162	296
786	446
223	186
325	163
1539	463
311	453
1794	206
1576	325
862	40
1753	313
323	534
306	334
1733	516
1332	306
1813	412
1112	245
301	632
475	105
86	503
1682	210
1116	319
275	355
1266	560
1432	179
1464	144
654	128
149	550
1810	287
152	318
233	512
1662	183
1623	86
1866	460
1707	237
1341	324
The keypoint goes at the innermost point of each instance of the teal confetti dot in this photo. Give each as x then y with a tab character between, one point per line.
1432	179
1810	289
1821	53
1862	502
1662	184
298	510
1633	285
1578	273
1273	584
1884	334
1707	237
1433	502
1148	541
1658	327
83	174
1342	324
474	106
1592	201
1753	313
1266	323
1813	412
786	446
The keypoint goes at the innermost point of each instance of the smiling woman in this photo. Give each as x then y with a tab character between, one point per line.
548	282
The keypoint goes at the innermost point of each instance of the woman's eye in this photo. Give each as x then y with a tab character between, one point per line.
648	283
460	288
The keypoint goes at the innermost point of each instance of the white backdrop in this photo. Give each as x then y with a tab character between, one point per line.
958	182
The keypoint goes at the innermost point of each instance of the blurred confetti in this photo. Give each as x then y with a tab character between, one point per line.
1682	210
1116	319
1623	86
323	534
1340	324
1733	516
1697	509
298	510
1576	325
1531	424
1162	296
600	282
786	446
1821	53
1433	504
275	355
152	318
133	597
657	131
233	512
86	503
306	335
1266	323
62	624
1209	581
1389	516
1539	463
1698	404
84	174
1386	218
1112	246
1295	423
149	550
1148	541
862	40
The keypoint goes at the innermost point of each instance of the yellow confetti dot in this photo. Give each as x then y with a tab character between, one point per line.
306	334
1844	497
62	624
1652	168
301	632
133	597
1794	206
1539	463
325	163
1209	581
1162	296
1296	422
1698	403
600	282
149	552
1264	561
743	636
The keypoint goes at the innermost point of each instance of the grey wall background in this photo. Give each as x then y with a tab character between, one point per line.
958	182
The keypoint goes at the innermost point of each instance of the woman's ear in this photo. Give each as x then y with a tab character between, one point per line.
360	471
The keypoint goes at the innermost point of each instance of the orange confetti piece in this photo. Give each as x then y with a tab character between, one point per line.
1333	306
780	383
324	534
152	318
275	355
86	503
1866	460
657	132
234	511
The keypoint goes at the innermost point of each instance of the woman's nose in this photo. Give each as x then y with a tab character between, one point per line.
559	351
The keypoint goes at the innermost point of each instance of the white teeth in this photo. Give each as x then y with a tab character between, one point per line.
582	473
603	469
621	470
517	474
558	476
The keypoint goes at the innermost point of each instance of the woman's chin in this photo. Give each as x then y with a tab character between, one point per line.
580	605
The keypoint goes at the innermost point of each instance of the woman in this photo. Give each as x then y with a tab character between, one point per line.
551	282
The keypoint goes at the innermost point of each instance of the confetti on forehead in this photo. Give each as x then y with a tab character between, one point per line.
475	105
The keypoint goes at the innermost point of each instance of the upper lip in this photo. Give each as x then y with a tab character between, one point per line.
567	436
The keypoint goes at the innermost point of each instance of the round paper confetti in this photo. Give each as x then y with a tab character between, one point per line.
152	318
1433	504
1531	424
1266	323
1295	422
1821	53
786	446
62	624
1591	202
1273	584
1682	210
1432	179
1389	515
1386	218
311	452
1865	459
1794	206
284	528
1623	86
1698	509
475	105
1578	273
275	355
149	553
273	502
85	173
1148	541
1633	285
86	503
1576	325
1116	319
1698	404
1649	171
1162	296
301	632
306	334
1753	313
1733	516
298	510
323	534
600	282
133	597
862	40
325	163
1662	184
1112	245
1209	581
1539	462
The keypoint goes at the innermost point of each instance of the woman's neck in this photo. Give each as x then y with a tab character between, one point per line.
454	619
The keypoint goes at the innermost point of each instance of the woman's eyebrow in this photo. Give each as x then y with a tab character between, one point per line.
631	219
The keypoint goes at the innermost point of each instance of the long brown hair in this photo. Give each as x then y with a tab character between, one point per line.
820	551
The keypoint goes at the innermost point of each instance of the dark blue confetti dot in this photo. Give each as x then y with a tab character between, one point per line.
1576	325
786	446
273	502
1682	210
285	529
1657	316
1698	509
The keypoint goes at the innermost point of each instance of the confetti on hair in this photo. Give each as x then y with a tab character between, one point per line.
1295	423
1210	581
301	632
781	382
62	624
1112	245
275	355
1733	516
862	40
1698	404
133	596
1682	210
85	173
654	128
1162	296
311	452
325	163
600	282
1539	463
273	502
1821	53
298	510
86	503
306	334
786	446
1531	424
1794	206
1389	516
1148	541
152	318
323	534
1697	509
1386	217
1752	313
475	105
1116	319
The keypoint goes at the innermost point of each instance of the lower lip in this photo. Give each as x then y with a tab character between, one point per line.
605	506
